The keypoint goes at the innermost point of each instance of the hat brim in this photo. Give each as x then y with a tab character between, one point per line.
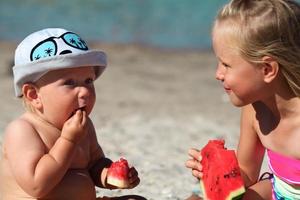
33	71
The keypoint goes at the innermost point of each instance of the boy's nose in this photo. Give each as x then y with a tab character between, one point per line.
83	92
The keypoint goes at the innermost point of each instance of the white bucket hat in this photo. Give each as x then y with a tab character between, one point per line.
50	49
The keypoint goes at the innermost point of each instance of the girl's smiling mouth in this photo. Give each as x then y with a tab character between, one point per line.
227	89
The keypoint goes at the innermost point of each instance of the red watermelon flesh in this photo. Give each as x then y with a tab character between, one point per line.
117	174
221	173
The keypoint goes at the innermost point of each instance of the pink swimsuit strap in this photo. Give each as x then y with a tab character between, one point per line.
284	167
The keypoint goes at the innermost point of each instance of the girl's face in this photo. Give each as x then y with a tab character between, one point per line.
242	81
64	91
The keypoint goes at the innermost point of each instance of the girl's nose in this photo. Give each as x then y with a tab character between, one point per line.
220	73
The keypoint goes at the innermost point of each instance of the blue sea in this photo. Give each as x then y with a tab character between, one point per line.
159	23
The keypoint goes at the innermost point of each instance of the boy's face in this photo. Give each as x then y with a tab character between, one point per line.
64	91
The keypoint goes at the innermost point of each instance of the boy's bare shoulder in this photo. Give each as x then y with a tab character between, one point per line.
20	129
20	123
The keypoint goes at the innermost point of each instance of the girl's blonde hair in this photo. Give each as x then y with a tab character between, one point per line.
267	28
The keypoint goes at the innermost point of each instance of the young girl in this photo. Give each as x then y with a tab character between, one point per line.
257	43
51	151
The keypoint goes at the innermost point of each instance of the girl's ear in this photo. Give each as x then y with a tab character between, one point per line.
270	68
30	92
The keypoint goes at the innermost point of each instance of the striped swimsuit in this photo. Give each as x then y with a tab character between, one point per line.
286	176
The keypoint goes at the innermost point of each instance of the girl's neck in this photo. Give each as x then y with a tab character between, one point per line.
280	107
280	100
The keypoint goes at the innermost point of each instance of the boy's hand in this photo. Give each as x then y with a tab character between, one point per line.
75	128
134	179
194	163
120	176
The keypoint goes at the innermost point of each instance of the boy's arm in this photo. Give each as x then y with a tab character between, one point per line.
250	150
99	163
36	170
98	172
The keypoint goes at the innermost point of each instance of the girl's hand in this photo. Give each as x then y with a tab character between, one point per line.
75	128
194	163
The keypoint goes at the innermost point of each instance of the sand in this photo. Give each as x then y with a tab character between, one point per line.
152	106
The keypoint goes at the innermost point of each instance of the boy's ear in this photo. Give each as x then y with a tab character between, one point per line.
30	92
270	68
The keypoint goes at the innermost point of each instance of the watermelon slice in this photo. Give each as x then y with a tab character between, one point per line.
117	174
221	173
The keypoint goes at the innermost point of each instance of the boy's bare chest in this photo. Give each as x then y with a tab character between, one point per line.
81	158
82	150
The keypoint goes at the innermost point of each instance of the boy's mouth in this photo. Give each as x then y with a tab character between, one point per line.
80	108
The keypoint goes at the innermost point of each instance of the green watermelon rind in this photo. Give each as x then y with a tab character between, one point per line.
234	195
203	189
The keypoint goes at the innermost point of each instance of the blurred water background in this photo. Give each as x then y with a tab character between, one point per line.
159	23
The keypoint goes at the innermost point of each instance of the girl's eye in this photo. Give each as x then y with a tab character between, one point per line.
225	65
69	82
89	81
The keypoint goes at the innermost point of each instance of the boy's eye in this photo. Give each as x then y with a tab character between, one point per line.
69	82
89	81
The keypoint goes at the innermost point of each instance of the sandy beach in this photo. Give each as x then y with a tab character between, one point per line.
152	106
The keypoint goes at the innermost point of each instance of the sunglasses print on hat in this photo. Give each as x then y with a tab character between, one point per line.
49	47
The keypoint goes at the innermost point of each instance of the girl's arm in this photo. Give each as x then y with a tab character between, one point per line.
250	150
